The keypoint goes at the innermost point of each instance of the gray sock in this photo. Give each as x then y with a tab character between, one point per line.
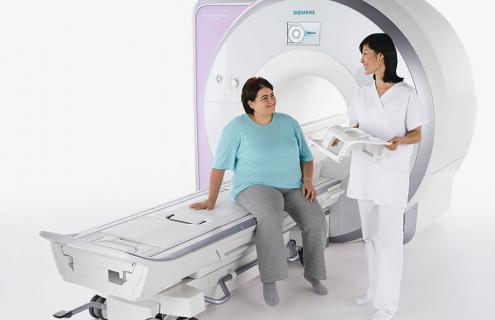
270	293
318	287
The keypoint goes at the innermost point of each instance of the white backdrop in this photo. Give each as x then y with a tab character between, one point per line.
96	122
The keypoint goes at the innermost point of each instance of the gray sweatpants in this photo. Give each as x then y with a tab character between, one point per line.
268	204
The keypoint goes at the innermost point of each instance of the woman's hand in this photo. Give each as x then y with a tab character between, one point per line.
308	190
216	177
207	204
395	141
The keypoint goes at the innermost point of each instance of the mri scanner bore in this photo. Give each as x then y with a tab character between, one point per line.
171	260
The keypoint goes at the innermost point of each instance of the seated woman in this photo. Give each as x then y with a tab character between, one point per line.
272	173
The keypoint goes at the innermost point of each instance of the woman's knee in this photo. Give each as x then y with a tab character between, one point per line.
270	219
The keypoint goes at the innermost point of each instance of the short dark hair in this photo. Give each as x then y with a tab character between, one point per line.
250	91
382	43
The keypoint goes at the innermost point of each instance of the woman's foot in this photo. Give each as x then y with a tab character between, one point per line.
364	300
270	294
383	314
318	287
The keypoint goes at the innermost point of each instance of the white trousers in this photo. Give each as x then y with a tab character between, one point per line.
383	237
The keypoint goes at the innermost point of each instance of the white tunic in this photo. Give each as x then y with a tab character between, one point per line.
395	113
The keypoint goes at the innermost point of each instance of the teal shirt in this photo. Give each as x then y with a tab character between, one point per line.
269	154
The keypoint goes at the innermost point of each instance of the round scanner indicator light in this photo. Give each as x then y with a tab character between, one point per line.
296	33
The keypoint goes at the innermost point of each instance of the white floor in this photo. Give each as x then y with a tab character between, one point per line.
448	274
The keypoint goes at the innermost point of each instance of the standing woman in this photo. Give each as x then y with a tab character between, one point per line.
389	109
273	173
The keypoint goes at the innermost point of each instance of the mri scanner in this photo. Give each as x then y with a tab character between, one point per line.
171	261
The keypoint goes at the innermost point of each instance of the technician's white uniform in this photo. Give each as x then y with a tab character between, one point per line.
382	187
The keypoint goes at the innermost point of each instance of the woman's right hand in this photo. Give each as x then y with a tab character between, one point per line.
207	204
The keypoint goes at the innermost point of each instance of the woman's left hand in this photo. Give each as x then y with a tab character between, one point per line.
395	141
308	190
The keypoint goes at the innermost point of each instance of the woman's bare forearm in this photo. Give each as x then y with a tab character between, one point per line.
307	170
216	178
412	137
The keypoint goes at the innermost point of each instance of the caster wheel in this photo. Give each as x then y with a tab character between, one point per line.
99	312
160	316
301	259
92	310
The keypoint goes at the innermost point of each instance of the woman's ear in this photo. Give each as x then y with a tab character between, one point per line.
250	104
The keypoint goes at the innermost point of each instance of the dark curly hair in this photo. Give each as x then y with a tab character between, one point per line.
250	91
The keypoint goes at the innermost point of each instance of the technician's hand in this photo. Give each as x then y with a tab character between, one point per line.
394	143
308	190
207	204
